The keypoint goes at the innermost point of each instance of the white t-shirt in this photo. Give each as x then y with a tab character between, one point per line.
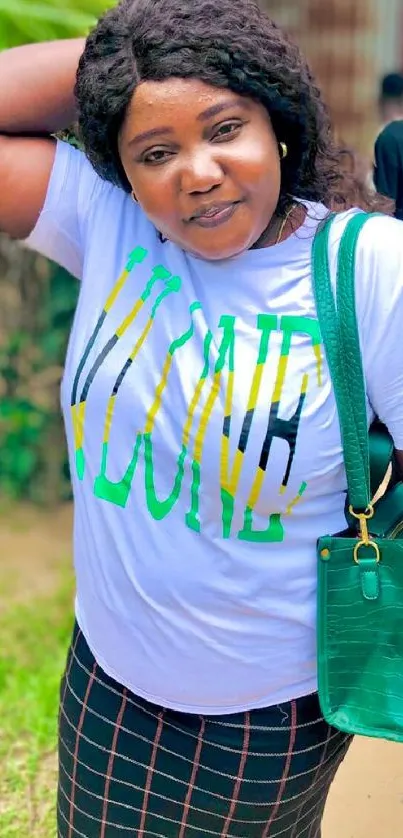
204	443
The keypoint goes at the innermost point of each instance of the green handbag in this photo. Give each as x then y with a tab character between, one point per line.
360	571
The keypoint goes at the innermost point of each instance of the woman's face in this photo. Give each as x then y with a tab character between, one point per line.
203	163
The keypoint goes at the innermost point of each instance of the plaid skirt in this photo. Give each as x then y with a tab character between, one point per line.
130	768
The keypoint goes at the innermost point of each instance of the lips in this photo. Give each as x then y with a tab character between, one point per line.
214	209
214	215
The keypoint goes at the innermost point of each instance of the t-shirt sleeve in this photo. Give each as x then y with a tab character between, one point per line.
61	230
379	300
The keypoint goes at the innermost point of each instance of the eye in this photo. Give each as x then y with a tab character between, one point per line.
156	156
228	130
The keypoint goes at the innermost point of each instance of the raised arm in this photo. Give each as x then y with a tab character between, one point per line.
36	100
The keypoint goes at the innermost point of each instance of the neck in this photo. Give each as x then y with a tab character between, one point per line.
280	227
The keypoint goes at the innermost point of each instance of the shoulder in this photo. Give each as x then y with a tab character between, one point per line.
380	242
391	133
379	307
389	145
84	215
378	265
379	282
74	186
73	171
102	204
379	269
380	246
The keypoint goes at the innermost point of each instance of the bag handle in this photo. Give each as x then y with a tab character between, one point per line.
341	341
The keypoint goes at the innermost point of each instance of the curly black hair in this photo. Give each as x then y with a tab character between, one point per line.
227	44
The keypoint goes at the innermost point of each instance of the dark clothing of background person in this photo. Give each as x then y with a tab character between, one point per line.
388	173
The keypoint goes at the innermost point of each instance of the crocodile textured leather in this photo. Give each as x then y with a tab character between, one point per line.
360	586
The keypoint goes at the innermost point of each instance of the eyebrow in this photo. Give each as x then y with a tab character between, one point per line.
221	106
148	135
213	110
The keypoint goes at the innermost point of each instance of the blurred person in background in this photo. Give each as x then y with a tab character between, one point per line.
383	153
388	169
201	420
388	161
391	98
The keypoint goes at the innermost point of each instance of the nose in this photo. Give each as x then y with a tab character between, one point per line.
201	172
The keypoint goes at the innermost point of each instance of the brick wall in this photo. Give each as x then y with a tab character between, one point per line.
349	44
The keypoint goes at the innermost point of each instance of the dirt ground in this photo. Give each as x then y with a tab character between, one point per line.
367	797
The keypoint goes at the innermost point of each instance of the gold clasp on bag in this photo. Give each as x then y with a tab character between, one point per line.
365	540
372	544
363	517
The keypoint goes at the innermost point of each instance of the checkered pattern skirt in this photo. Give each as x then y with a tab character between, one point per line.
130	768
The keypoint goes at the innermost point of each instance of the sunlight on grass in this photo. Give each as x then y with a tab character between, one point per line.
33	642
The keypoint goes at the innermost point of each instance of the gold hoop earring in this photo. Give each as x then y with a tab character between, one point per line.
283	150
134	198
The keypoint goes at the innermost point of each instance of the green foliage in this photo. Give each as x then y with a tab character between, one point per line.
37	303
23	21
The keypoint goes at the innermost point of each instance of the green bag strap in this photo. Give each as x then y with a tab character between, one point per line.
349	337
379	446
341	341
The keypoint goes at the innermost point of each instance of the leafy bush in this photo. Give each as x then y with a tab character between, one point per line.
37	302
37	306
23	21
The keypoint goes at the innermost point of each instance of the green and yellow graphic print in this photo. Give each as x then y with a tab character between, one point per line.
160	286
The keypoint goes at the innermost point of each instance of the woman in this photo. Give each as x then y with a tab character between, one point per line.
201	421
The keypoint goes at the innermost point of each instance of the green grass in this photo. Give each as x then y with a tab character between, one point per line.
33	646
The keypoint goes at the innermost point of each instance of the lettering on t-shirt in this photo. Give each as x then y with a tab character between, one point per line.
158	289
